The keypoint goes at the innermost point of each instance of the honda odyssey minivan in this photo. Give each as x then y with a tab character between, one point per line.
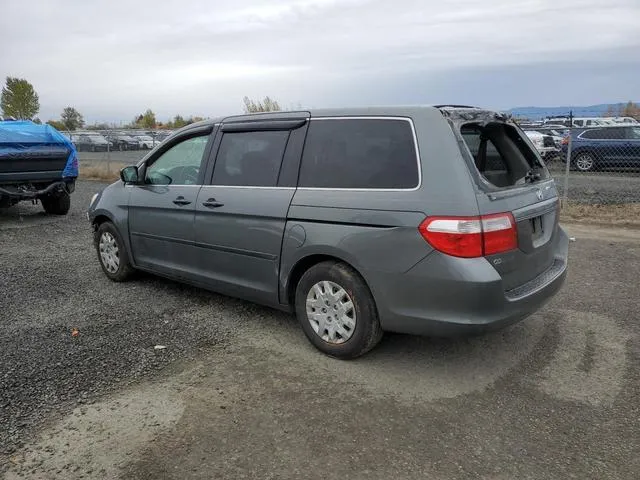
423	220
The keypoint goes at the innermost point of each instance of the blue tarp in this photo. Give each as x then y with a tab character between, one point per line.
21	136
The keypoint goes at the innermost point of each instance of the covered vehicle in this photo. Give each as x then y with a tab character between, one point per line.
36	163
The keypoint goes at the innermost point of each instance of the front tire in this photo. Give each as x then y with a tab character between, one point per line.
58	204
337	311
112	253
585	162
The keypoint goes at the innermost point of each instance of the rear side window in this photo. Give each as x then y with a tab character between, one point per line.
360	153
604	134
251	159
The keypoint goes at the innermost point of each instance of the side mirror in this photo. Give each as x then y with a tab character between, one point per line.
129	174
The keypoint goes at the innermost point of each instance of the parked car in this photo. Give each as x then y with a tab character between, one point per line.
145	142
624	120
425	220
554	130
37	163
579	122
605	147
90	142
590	122
161	137
122	141
548	146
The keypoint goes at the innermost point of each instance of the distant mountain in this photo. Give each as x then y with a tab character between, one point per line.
537	113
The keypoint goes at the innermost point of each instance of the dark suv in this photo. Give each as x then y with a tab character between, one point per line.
605	147
425	220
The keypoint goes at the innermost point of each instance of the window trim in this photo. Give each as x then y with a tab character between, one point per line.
334	189
154	155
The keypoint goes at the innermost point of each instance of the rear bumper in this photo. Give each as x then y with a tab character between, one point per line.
19	193
448	296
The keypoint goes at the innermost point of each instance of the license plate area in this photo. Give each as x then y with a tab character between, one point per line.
537	228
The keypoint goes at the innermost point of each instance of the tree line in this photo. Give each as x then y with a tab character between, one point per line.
20	101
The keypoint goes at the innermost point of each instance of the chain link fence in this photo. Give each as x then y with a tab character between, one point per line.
103	153
595	163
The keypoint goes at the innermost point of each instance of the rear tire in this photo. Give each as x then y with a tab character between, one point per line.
58	204
333	301
112	253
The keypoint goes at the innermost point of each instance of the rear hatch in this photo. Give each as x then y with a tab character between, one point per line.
511	178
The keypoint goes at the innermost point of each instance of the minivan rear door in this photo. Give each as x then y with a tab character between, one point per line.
512	178
241	213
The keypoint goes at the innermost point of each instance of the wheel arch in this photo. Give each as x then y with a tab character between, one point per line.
102	216
303	264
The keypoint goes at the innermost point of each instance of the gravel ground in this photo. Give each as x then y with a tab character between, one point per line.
52	283
240	393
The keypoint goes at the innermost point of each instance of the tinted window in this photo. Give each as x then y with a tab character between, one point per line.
604	134
180	165
250	159
634	133
359	153
589	134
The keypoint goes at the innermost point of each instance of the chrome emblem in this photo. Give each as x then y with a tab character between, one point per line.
539	194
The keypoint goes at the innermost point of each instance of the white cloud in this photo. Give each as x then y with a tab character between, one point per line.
113	59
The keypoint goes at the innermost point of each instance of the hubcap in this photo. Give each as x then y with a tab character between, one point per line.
584	162
109	254
330	312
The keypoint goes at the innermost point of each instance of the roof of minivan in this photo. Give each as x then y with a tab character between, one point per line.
380	111
319	112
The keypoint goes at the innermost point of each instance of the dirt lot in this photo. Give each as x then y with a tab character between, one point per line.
239	393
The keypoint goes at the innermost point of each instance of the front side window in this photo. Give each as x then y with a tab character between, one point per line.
250	159
634	133
359	153
180	165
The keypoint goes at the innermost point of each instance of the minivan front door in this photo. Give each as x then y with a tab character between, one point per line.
241	216
162	209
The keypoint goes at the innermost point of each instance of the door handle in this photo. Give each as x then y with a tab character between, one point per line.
211	203
181	201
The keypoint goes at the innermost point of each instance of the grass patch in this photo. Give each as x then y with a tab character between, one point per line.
623	215
104	172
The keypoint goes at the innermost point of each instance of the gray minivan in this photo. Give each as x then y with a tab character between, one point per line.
422	220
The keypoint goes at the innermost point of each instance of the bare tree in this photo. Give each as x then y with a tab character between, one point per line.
266	105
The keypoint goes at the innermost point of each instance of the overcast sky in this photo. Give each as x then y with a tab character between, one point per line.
113	59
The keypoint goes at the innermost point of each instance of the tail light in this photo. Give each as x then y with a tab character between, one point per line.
470	237
565	140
